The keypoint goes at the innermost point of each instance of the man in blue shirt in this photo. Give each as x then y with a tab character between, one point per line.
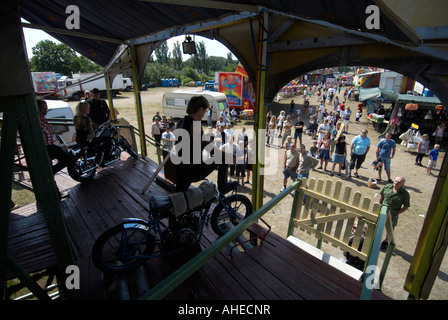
358	151
385	152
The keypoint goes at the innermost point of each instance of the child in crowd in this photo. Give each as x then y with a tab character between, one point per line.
433	154
422	149
358	115
314	149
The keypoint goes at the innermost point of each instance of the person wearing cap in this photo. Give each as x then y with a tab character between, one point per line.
99	110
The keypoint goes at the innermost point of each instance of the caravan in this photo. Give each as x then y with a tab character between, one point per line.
175	103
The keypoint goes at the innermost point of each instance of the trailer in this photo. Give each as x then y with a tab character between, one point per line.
45	83
74	87
175	103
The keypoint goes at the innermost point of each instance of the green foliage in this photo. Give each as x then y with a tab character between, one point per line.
155	72
49	56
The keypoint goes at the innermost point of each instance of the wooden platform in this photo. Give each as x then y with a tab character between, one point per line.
278	270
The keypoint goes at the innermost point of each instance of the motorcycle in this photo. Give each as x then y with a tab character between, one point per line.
87	158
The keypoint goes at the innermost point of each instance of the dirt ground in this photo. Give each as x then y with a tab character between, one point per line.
418	183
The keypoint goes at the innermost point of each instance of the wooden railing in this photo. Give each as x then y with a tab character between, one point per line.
324	209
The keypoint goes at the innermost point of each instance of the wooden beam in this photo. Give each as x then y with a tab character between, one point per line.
322	42
211	4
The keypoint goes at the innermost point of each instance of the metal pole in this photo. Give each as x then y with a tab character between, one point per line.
138	102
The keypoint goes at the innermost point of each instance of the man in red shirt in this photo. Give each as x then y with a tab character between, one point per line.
54	151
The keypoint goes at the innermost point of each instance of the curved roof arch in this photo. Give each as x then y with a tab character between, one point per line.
410	38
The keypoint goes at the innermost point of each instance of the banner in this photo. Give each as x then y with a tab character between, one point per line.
231	84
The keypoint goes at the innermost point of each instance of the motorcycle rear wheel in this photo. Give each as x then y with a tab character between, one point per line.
77	166
119	249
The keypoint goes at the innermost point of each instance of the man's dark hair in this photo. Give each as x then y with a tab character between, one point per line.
196	103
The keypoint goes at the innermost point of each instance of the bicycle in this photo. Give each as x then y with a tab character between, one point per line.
129	244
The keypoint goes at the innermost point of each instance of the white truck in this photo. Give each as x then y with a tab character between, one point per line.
175	103
75	86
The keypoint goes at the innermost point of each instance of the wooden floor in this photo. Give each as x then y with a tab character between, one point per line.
278	270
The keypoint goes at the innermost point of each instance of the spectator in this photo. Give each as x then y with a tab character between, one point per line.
240	162
433	154
287	125
280	120
290	165
422	149
298	130
358	151
307	162
339	155
165	123
156	131
439	133
168	139
322	130
385	152
324	150
397	198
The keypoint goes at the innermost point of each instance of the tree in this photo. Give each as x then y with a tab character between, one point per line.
49	56
155	72
178	63
162	53
200	58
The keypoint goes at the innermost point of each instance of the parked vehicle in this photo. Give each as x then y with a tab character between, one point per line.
87	158
74	87
61	110
175	103
45	83
127	84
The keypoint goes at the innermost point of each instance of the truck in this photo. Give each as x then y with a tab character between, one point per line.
45	83
74	87
175	103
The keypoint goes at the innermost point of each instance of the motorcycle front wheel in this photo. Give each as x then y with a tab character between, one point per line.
236	208
120	249
81	170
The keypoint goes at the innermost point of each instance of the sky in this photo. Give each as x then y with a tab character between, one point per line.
213	47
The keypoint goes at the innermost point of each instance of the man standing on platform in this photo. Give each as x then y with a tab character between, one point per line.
99	110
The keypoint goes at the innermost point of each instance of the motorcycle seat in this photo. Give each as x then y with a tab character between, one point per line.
159	204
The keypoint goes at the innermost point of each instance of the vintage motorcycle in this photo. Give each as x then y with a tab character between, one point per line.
87	158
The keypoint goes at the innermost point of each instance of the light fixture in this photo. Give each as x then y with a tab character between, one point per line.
188	46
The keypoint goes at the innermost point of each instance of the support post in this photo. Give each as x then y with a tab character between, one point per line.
260	115
138	102
18	104
432	243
